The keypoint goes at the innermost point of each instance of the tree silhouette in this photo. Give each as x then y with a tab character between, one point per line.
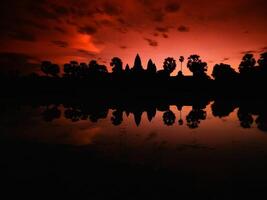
223	72
92	66
96	69
169	118
169	65
49	68
247	64
102	69
263	62
151	67
196	66
45	66
72	69
181	59
68	71
54	70
116	64
75	68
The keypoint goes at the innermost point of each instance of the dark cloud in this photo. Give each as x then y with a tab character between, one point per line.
164	35
40	10
85	52
225	59
59	29
59	43
111	8
162	29
121	21
60	10
146	2
123	47
183	28
88	29
30	23
103	22
151	42
157	15
172	7
18	61
257	51
248	52
20	29
123	30
21	35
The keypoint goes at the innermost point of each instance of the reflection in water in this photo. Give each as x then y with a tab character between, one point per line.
194	117
197	114
87	120
206	144
169	118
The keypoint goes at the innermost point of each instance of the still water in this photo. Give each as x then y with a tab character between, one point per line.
217	141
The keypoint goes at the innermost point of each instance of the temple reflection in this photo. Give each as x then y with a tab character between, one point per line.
248	113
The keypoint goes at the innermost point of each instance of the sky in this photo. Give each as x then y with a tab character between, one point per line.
63	30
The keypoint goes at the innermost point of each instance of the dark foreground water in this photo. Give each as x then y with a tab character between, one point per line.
213	151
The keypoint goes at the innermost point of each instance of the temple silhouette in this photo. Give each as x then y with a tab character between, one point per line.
93	79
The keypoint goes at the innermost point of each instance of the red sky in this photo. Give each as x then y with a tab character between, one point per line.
64	30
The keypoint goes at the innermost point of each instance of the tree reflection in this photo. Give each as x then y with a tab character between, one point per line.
51	113
245	118
73	114
169	118
262	122
180	121
194	117
117	117
247	111
222	108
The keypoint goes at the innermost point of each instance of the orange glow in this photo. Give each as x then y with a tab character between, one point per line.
219	31
84	42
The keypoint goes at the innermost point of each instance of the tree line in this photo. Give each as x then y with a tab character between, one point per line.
74	70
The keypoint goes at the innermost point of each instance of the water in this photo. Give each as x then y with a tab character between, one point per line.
211	144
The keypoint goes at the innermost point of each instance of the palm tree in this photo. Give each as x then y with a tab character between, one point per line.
116	64
180	121
169	65
181	59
